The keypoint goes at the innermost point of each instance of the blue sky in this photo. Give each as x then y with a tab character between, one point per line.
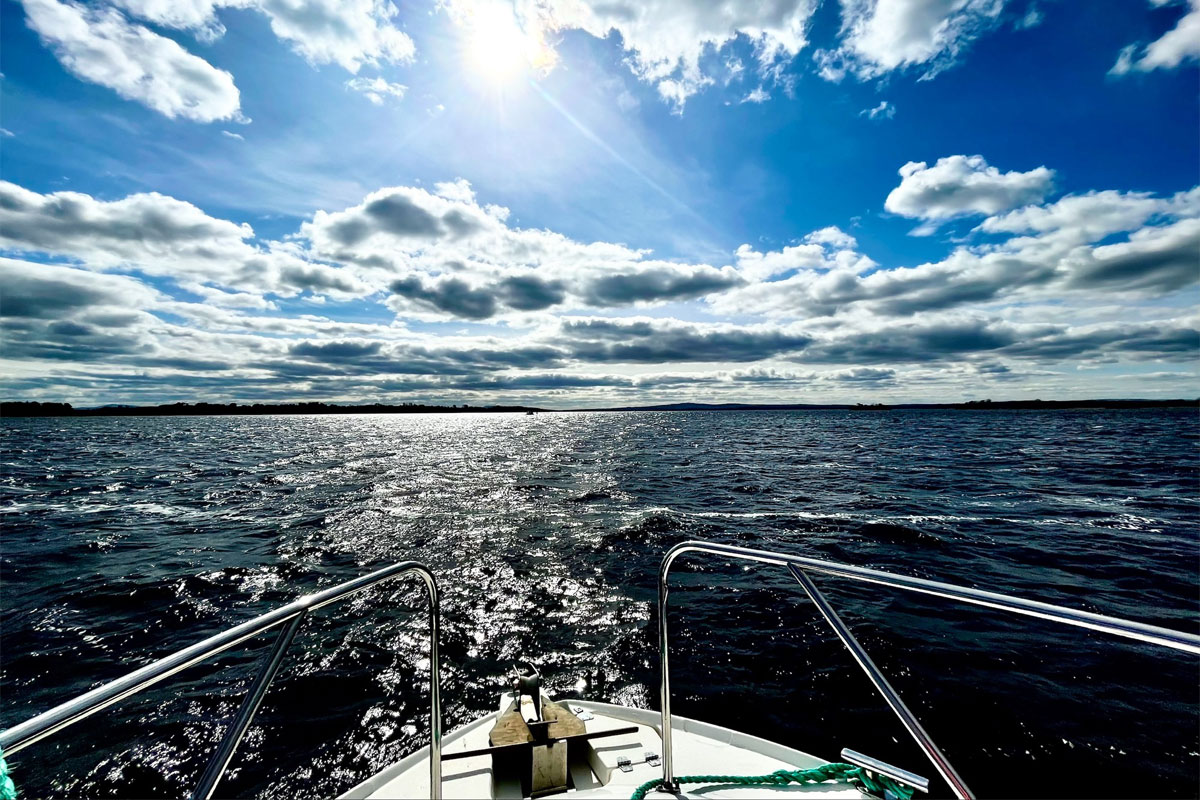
576	203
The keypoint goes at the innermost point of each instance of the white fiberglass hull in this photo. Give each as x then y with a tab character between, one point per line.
700	749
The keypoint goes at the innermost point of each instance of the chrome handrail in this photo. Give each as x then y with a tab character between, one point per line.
918	782
72	711
799	566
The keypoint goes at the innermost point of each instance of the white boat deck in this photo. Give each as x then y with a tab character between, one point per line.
700	749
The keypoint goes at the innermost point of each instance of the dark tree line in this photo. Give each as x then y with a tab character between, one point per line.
31	409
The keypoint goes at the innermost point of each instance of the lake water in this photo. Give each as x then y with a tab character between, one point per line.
127	538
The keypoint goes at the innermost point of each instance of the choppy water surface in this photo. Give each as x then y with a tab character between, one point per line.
125	539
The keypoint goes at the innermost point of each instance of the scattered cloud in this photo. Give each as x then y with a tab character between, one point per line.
1177	46
452	296
735	67
964	185
864	375
1125	60
1060	250
1032	18
99	45
52	292
350	33
139	228
832	236
666	40
377	90
197	16
660	282
158	235
758	95
647	341
880	36
154	291
346	32
1093	215
455	256
233	135
884	110
827	249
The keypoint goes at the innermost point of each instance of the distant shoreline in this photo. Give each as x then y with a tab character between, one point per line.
35	409
31	409
971	405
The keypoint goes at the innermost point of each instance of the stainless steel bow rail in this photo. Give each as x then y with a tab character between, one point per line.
800	566
291	615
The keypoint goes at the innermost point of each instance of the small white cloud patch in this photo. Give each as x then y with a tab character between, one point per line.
1033	17
884	110
626	101
377	90
759	95
1177	46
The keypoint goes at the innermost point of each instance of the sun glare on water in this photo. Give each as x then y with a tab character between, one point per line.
498	49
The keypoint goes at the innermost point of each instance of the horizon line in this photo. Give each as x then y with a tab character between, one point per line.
45	408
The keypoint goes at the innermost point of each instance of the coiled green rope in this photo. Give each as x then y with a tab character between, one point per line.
782	777
8	790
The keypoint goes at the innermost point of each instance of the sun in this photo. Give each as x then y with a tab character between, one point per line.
498	49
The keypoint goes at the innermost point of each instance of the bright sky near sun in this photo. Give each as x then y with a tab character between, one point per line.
576	203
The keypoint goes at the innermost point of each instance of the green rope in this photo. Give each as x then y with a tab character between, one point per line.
8	790
782	777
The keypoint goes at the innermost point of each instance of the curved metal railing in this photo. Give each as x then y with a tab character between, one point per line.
800	566
293	614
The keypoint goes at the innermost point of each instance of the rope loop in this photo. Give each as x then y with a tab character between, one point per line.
781	777
8	790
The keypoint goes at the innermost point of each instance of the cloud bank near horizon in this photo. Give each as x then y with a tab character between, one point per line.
432	294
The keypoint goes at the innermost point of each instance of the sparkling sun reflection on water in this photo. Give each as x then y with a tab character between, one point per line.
125	539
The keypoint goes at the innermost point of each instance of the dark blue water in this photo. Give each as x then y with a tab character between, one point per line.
125	539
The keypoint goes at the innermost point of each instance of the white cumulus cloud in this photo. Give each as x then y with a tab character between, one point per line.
884	35
961	185
443	254
194	15
101	46
1180	44
159	235
346	32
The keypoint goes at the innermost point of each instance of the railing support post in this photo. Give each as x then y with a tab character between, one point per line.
292	614
668	756
435	690
875	675
1137	631
245	715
